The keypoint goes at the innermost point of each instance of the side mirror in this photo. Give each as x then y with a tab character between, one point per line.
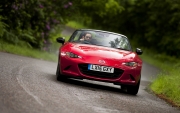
139	51
60	40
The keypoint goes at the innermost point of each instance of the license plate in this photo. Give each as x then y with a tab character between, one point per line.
100	68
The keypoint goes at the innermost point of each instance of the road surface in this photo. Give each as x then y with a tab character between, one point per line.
29	85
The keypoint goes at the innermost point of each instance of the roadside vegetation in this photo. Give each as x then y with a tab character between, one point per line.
26	51
75	25
30	28
166	85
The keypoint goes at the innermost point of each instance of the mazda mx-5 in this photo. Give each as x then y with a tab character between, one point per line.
102	56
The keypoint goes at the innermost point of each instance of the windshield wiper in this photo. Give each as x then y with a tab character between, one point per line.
123	49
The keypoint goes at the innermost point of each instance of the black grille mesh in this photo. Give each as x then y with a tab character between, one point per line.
84	69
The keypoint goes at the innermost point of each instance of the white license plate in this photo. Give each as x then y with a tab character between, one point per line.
100	68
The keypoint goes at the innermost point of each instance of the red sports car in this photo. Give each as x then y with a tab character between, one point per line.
101	56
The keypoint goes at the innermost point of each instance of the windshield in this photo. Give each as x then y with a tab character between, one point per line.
100	38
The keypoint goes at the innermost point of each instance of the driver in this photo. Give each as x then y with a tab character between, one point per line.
86	37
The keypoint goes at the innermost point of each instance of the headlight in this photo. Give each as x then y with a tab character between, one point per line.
131	64
72	55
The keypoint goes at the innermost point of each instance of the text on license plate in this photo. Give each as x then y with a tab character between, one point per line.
100	68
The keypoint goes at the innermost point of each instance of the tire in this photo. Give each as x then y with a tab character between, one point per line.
59	76
133	90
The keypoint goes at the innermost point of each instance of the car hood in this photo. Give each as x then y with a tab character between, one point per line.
100	51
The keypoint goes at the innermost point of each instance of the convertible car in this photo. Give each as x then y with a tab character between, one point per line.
102	56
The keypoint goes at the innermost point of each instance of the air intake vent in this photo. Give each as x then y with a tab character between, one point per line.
84	69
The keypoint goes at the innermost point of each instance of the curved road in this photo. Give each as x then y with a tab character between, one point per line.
29	85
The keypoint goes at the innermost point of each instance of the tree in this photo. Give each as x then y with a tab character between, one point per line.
30	21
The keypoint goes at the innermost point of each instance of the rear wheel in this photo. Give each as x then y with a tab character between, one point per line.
59	76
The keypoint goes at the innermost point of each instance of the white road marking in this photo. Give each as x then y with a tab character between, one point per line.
20	82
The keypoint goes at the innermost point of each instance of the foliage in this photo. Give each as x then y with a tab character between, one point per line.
75	25
97	13
152	24
149	23
2	27
30	21
167	84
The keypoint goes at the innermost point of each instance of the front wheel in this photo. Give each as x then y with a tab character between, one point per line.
133	90
59	76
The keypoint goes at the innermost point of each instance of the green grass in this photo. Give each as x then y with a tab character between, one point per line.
75	25
25	51
161	61
166	85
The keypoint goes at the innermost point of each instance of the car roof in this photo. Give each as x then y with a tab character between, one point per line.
101	31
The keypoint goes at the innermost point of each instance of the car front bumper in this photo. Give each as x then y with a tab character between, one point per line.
77	68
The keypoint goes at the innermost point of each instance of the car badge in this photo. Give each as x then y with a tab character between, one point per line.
102	61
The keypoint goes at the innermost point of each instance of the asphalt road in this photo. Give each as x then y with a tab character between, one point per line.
29	85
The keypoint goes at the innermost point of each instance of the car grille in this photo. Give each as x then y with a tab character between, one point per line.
84	69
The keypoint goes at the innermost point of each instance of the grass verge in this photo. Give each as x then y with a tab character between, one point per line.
25	51
166	85
75	25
